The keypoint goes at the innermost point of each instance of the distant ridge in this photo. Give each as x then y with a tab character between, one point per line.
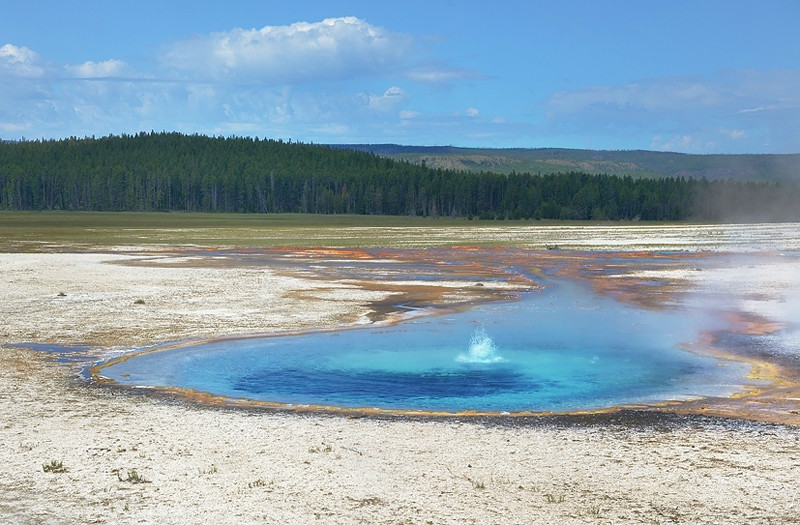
194	173
635	163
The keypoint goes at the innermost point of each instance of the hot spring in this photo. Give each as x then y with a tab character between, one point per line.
565	349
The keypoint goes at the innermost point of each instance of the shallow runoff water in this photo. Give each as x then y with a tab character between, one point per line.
563	349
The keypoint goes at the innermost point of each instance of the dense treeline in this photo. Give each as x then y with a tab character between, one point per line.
175	172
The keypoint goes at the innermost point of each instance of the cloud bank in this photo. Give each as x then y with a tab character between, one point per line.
328	78
346	80
690	113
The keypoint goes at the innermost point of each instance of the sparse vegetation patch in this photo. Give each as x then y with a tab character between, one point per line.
54	467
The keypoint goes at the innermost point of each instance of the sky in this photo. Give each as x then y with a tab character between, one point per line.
692	76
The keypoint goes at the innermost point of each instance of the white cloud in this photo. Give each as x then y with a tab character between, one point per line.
735	134
334	48
473	112
758	110
389	101
438	73
107	68
25	96
20	62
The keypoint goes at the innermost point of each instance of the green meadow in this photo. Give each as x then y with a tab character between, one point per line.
99	231
45	231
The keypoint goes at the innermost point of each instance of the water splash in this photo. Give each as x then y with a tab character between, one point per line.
481	349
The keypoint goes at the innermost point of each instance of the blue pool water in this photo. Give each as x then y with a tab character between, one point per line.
564	349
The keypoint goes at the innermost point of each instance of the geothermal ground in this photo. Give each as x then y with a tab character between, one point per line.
75	450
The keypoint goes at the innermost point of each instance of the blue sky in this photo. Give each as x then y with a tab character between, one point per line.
691	76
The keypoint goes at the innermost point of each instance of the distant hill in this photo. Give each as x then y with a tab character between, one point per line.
636	163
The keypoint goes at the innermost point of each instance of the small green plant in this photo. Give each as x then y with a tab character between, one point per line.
553	498
54	467
138	301
317	450
257	483
133	477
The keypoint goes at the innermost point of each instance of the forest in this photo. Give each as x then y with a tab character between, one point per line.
195	173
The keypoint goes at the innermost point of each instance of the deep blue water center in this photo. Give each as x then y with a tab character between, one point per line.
564	349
